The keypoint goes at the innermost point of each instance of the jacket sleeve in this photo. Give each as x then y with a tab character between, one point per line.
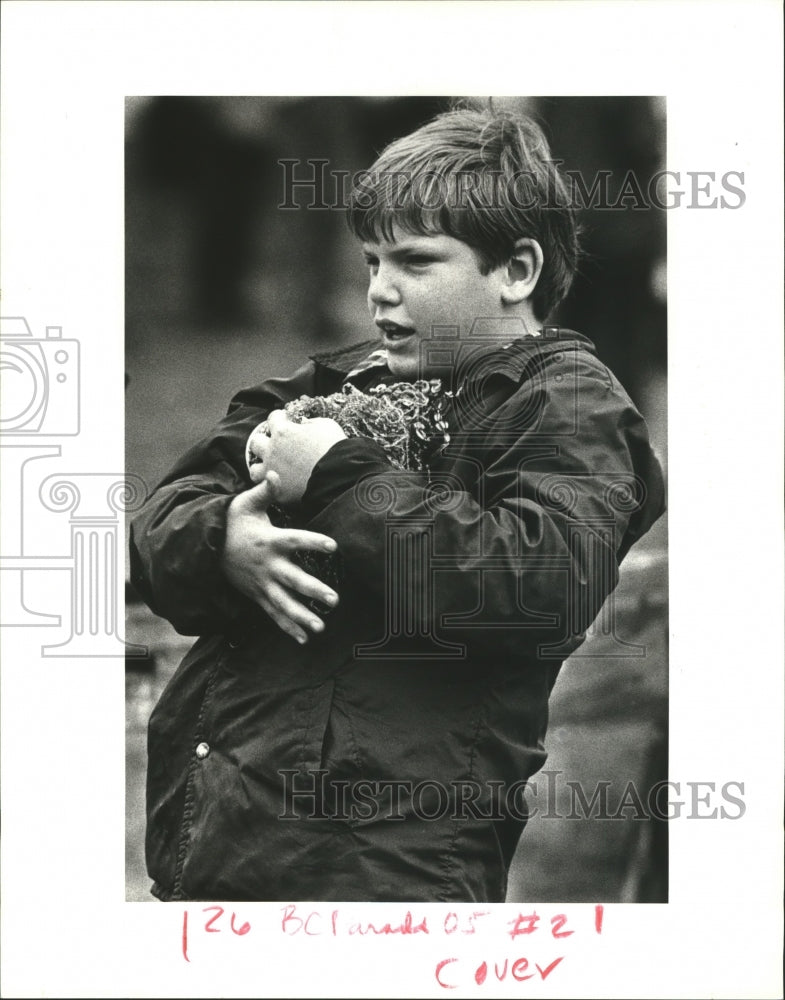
177	538
517	552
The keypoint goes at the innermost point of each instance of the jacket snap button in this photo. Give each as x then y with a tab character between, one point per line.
202	750
234	643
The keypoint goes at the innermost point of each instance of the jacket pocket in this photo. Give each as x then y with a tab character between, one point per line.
314	711
322	759
340	753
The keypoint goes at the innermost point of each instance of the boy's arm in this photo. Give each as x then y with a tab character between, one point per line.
177	545
533	560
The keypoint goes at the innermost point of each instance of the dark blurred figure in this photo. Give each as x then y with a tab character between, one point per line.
208	243
614	299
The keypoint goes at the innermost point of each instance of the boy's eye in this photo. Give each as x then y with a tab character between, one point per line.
370	260
419	260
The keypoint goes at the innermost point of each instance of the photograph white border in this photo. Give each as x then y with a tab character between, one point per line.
66	70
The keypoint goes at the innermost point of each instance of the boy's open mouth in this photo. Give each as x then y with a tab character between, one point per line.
393	331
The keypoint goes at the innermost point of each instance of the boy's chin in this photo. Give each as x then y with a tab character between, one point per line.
407	369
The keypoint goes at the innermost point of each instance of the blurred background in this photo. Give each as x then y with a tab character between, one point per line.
224	288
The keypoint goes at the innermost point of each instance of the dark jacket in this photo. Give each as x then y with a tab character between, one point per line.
384	760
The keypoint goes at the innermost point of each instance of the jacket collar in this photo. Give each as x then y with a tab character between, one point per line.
514	356
346	359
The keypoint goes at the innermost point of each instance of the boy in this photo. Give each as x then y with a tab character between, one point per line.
378	750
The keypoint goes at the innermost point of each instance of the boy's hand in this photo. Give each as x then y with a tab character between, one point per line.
258	561
292	450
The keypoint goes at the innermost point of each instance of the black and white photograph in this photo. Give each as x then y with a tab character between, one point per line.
480	459
391	446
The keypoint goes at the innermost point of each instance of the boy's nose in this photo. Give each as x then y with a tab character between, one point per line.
382	290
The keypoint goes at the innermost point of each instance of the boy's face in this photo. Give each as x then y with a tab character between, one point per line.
418	282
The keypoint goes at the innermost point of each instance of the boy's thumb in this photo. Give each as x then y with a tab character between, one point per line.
265	492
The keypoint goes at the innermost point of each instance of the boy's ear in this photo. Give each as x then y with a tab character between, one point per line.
522	272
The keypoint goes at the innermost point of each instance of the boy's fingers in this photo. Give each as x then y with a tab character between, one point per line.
284	624
302	583
297	613
296	538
